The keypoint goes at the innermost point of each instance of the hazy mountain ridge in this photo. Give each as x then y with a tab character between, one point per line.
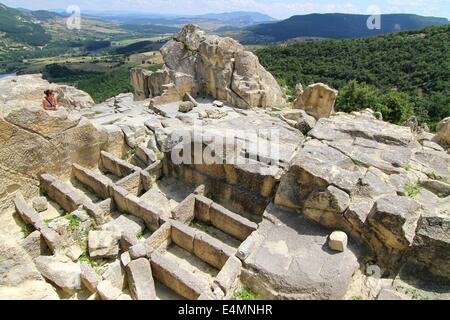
339	26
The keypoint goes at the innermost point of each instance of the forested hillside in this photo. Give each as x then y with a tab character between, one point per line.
398	73
339	26
22	27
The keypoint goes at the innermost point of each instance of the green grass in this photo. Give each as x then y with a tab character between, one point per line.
247	295
357	298
412	190
74	222
26	229
132	152
84	258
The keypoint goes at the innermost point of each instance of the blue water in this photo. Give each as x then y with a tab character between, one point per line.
7	75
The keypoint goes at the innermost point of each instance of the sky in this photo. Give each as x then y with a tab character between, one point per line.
279	9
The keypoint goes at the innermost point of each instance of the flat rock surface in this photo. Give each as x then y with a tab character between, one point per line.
293	260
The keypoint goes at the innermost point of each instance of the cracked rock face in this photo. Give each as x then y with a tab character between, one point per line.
207	64
376	182
34	141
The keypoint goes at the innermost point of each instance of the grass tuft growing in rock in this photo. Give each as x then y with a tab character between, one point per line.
74	222
412	189
245	295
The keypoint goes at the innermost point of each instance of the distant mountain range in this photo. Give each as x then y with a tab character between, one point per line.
210	20
26	27
338	26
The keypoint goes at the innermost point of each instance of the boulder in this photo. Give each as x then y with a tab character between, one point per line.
103	244
65	275
395	219
140	280
431	246
89	278
443	131
116	275
72	98
413	124
28	91
35	245
19	277
186	106
107	291
218	104
317	100
40	204
125	224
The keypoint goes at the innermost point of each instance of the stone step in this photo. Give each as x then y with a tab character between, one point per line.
68	198
166	271
223	219
116	166
95	182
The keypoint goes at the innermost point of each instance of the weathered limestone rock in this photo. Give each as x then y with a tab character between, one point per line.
227	277
126	224
186	106
103	244
413	124
35	245
443	130
299	119
66	275
327	206
72	98
431	245
139	80
338	241
33	139
317	165
317	100
40	204
140	280
218	104
291	260
28	90
212	65
107	291
116	275
74	252
19	277
395	219
368	141
89	278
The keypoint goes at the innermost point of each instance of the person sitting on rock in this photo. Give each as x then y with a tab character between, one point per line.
50	101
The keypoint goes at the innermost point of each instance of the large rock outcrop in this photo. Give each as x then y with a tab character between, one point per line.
207	64
28	91
375	181
35	141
